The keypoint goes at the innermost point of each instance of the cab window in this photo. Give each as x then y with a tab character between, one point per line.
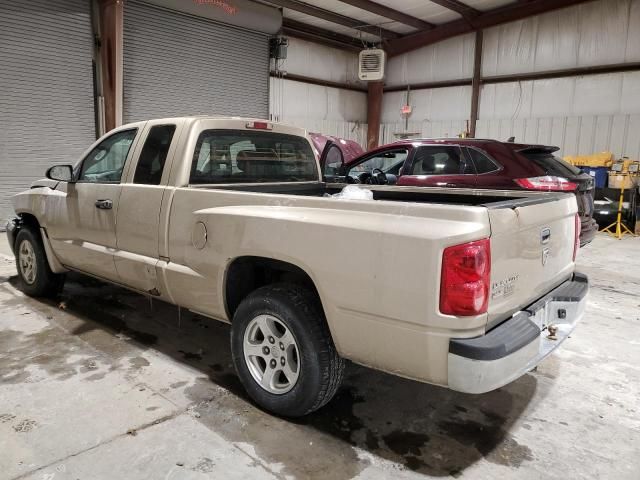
154	155
105	163
244	156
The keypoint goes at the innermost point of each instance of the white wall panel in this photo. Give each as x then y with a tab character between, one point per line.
447	60
594	33
435	104
597	94
331	111
552	97
603	31
427	129
327	110
314	101
321	62
575	135
607	94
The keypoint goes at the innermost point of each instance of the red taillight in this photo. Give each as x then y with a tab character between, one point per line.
547	183
464	283
259	125
576	239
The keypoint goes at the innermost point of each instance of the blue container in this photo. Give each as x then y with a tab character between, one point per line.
600	175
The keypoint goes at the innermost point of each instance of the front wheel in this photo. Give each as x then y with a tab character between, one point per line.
36	278
283	351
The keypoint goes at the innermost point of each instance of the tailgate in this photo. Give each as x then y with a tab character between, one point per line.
531	253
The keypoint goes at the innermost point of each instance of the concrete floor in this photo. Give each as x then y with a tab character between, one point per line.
96	385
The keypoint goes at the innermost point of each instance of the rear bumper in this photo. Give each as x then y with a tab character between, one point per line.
508	351
588	230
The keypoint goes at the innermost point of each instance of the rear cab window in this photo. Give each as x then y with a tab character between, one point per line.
243	156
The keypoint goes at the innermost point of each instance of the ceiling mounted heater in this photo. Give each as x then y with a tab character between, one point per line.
371	64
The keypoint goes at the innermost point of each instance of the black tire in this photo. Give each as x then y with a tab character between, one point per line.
44	283
321	369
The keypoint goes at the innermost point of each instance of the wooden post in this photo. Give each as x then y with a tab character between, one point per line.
111	48
475	84
374	111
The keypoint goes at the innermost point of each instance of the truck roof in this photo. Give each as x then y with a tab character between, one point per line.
227	122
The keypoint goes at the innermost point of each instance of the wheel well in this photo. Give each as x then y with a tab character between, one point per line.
246	274
29	221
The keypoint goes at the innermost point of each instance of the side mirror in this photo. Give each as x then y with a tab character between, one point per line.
60	173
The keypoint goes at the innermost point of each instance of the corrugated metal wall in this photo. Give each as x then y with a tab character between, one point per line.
332	111
176	64
46	90
580	114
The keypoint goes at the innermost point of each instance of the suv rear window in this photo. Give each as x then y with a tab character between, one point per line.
551	164
245	156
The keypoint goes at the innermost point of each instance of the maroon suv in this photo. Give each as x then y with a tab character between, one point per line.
475	163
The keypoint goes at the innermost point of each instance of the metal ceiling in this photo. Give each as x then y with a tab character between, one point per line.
400	25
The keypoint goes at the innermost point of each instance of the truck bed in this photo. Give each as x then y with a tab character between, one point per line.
436	195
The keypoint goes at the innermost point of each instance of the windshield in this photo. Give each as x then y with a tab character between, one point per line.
246	156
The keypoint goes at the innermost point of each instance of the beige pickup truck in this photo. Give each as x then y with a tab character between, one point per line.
232	218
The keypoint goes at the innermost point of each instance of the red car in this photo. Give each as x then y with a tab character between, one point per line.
349	148
475	163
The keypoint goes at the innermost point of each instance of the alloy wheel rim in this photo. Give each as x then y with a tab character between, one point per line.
27	261
271	354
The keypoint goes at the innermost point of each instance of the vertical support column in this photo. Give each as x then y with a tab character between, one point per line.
475	84
374	112
111	49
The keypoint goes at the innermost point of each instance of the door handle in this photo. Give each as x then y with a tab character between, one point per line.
451	185
104	204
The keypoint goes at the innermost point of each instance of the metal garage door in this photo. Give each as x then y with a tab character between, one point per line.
46	89
178	64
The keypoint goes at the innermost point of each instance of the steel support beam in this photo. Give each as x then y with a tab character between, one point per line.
508	13
111	51
475	85
374	113
524	77
458	7
333	17
312	33
461	82
318	81
384	11
567	72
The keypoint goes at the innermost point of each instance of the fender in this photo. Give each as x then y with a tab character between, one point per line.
52	260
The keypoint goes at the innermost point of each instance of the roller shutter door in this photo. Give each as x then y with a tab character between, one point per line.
176	64
46	90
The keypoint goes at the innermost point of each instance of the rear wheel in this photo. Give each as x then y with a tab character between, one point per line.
283	352
36	278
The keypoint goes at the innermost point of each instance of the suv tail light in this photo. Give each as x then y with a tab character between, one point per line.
576	239
547	183
464	282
